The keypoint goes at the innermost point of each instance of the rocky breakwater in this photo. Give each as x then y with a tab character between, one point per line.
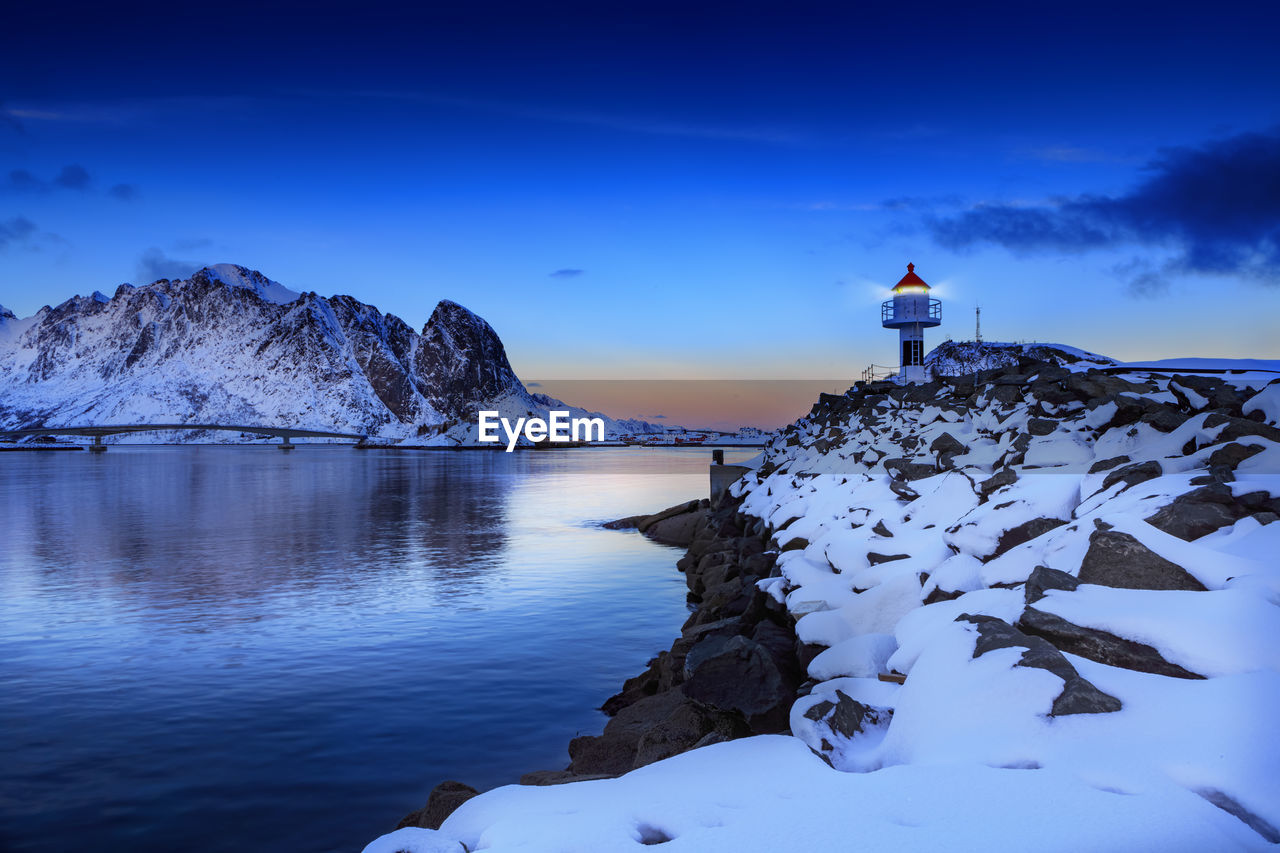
1113	529
733	672
1070	574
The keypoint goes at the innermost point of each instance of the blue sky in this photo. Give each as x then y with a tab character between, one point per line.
665	190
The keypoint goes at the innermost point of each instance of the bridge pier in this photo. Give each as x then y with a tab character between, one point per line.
97	446
285	444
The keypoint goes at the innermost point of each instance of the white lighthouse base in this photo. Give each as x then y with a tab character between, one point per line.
913	374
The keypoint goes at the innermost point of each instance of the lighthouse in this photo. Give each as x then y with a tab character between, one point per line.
910	311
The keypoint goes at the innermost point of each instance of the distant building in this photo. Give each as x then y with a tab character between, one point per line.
910	311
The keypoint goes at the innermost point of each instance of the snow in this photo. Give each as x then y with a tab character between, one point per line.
770	793
238	276
1241	372
1241	364
864	656
1222	632
956	358
1267	403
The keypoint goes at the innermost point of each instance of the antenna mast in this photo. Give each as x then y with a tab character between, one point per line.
977	323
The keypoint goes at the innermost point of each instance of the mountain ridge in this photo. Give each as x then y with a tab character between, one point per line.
229	345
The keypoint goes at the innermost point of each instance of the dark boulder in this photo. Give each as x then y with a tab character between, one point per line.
1237	428
688	725
1098	645
902	490
443	801
1078	696
741	675
1193	514
614	751
1133	474
558	777
1041	426
1003	477
1118	559
1107	464
847	716
1025	532
1224	461
1043	579
1218	393
907	469
947	447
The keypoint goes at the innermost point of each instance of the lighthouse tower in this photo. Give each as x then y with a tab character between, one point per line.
910	311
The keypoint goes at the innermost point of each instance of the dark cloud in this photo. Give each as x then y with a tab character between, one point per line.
1217	206
73	177
1145	280
155	264
123	192
1148	285
567	273
15	230
533	384
20	180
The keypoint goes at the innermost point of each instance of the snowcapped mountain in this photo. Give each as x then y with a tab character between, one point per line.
229	345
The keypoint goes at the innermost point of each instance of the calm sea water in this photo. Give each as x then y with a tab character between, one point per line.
234	648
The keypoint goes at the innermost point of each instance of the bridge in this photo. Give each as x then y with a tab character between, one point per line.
285	434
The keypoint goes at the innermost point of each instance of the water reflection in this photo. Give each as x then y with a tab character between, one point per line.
235	524
292	648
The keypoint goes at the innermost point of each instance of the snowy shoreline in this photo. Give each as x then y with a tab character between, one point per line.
1074	575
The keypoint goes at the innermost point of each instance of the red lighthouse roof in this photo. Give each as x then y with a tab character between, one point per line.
911	279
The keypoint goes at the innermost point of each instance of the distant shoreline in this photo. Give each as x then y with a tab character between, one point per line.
46	447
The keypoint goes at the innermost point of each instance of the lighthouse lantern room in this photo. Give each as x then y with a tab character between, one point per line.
910	311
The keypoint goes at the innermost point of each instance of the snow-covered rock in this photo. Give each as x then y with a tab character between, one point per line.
956	358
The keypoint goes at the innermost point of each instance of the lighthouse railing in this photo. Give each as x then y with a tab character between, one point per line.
887	311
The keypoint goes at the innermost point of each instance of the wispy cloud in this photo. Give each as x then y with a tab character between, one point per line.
123	192
652	125
154	264
1073	154
16	230
122	111
1217	206
900	203
567	273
